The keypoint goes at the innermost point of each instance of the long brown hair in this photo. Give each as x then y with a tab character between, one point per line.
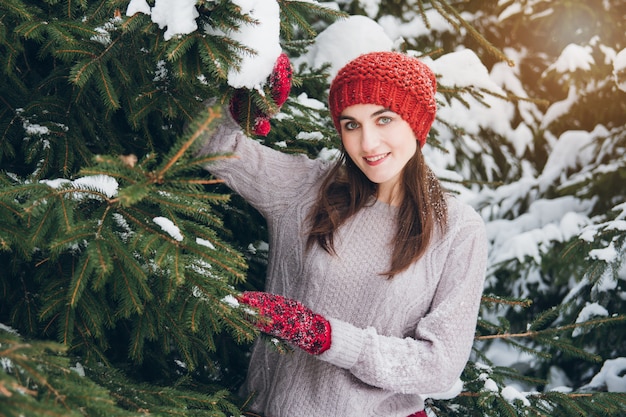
346	190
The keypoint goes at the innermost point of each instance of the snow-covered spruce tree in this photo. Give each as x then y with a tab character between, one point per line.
117	250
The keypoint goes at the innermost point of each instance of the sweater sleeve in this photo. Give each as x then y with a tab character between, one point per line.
268	179
434	358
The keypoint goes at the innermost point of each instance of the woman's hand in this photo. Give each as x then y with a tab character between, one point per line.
290	320
243	108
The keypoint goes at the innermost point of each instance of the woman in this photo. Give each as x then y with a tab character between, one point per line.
375	274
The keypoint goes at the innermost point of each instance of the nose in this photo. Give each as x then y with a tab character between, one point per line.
369	139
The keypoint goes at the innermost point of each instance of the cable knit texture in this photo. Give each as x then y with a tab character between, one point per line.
290	320
393	341
401	83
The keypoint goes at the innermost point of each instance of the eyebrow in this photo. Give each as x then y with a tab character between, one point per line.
376	113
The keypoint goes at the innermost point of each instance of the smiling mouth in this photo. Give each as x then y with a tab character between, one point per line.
375	158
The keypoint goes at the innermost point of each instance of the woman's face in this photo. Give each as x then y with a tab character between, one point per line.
379	142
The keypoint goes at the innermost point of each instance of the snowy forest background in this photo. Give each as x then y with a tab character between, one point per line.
119	254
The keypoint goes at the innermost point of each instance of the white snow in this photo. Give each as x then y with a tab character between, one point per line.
612	376
138	6
608	254
588	312
570	150
204	242
370	7
179	17
558	380
560	108
512	9
490	385
607	283
573	57
619	69
169	227
102	183
231	301
329	154
463	69
8	329
310	136
545	221
108	185
357	35
35	129
262	37
511	394
6	364
397	28
505	355
78	368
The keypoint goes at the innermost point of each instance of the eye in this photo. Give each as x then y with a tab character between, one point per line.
384	120
350	125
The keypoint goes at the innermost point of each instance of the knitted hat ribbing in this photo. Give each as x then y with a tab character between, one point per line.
403	84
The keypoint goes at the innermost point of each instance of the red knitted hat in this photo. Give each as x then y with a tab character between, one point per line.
403	84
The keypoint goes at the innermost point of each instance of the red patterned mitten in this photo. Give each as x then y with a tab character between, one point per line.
246	112
280	80
290	320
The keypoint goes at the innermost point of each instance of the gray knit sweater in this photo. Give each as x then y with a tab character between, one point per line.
392	340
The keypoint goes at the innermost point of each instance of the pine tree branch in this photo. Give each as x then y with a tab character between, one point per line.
512	97
41	380
535	333
80	74
499	300
447	11
478	394
102	222
79	283
214	113
202	182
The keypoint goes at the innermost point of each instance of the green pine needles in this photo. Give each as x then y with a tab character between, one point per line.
113	246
